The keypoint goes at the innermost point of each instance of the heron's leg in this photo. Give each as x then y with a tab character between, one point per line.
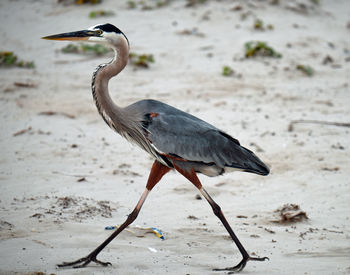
217	211
191	176
157	172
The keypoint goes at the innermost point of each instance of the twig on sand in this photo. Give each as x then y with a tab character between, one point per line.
339	124
81	177
25	84
21	132
52	113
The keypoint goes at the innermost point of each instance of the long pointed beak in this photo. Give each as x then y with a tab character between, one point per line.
72	36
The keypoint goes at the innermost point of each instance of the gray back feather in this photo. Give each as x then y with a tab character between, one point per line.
174	132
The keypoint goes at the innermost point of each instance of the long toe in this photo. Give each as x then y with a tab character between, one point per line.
102	263
233	269
82	262
66	264
241	265
258	259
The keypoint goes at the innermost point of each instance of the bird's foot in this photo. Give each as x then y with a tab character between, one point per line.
82	262
241	265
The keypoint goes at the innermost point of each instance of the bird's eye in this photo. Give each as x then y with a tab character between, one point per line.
99	32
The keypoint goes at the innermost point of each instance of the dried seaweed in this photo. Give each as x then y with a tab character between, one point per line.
192	3
79	2
84	48
100	13
306	69
70	48
227	71
259	48
141	60
9	59
290	213
147	5
93	2
259	25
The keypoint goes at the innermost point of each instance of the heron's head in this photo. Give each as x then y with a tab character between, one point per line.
106	34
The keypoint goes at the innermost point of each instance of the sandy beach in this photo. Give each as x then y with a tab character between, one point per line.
65	176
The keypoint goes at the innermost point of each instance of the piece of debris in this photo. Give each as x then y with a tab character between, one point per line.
141	60
100	13
4	225
299	7
259	25
227	71
289	213
338	146
269	230
52	113
325	102
259	48
9	59
193	31
93	2
124	165
41	132
35	272
37	215
63	209
21	132
306	69
310	230
131	4
220	184
198	197
236	8
25	84
328	59
191	217
333	231
339	124
139	231
145	5
192	3
66	202
333	169
241	217
84	48
81	179
152	249
125	172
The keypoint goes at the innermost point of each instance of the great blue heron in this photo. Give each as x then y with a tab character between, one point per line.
175	139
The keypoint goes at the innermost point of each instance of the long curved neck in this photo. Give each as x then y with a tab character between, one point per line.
122	120
110	112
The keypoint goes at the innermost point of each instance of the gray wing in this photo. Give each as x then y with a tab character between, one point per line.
173	132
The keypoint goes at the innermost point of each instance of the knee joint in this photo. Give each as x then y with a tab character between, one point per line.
216	209
133	215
